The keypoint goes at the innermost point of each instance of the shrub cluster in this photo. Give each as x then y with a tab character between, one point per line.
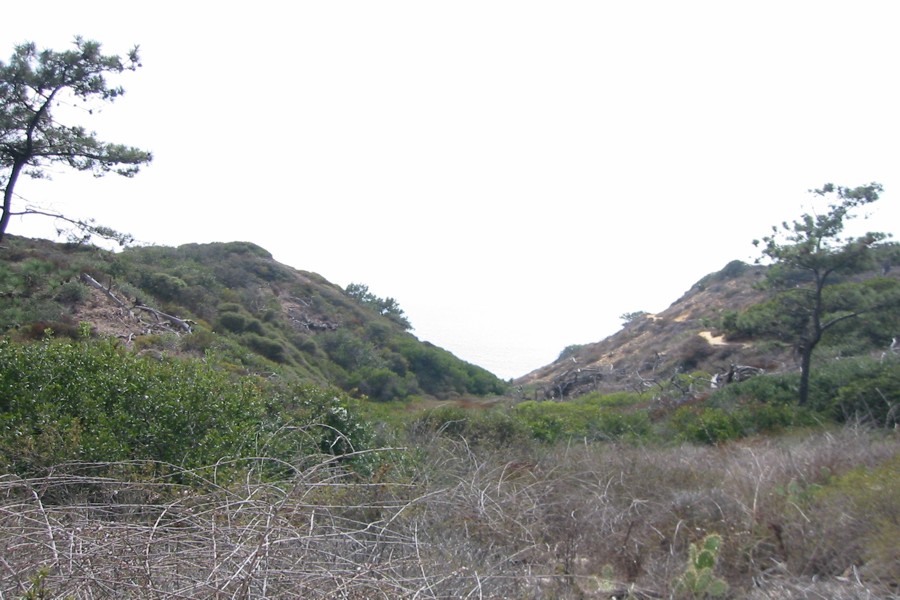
94	402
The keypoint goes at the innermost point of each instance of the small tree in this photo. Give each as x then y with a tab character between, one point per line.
384	306
807	256
32	84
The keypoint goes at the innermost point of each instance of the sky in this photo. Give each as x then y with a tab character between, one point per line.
516	174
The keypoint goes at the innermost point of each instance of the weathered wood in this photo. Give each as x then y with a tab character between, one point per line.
162	319
94	283
568	381
735	374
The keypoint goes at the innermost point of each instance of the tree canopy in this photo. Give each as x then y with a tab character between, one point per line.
32	84
385	306
809	256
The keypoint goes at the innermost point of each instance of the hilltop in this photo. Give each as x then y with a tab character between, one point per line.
232	300
687	337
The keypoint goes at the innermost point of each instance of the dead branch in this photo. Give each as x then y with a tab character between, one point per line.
163	320
108	291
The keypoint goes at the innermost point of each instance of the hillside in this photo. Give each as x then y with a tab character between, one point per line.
235	301
128	471
686	338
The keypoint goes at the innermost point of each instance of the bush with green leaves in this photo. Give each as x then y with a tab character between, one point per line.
95	402
707	424
163	285
274	350
381	383
487	428
70	292
768	389
441	374
587	420
312	420
861	390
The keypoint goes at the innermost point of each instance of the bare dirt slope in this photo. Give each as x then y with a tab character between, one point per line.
682	338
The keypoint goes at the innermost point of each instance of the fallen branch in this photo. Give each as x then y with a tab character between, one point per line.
162	319
108	291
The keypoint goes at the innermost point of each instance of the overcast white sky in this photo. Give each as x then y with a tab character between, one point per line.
516	174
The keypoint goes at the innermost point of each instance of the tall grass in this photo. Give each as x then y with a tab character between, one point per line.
799	517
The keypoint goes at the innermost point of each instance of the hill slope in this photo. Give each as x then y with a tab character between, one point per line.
686	337
231	299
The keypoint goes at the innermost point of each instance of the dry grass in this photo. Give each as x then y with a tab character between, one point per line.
576	522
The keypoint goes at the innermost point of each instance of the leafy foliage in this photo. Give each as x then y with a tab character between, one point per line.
94	402
32	83
809	256
385	306
254	314
631	317
858	390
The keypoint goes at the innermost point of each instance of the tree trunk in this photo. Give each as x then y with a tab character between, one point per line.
805	362
8	194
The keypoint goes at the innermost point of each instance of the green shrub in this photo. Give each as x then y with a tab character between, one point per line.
441	374
163	285
613	400
587	420
349	351
304	343
325	420
33	273
233	322
551	421
769	389
873	396
705	425
490	428
39	330
70	292
771	418
569	350
200	340
239	323
614	425
93	402
717	424
271	349
449	420
379	383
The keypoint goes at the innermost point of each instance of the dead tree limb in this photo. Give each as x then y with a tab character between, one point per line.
162	319
108	291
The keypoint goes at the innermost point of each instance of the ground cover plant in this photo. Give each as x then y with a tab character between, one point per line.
219	461
235	301
796	517
95	402
163	476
